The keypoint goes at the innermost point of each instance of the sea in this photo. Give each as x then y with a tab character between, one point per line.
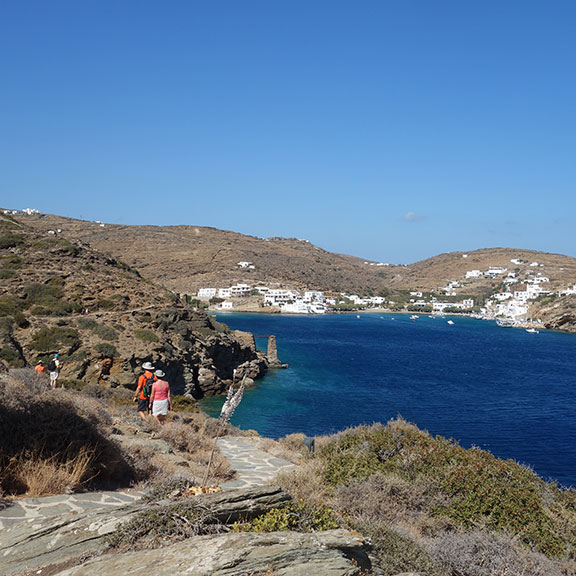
501	389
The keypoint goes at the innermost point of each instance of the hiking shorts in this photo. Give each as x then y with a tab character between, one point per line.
142	405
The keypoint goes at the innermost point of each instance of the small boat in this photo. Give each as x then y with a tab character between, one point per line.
532	331
414	317
451	322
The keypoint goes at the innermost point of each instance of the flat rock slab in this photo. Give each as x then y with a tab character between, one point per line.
46	539
280	553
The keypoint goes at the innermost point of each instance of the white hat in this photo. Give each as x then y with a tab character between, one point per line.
159	374
147	366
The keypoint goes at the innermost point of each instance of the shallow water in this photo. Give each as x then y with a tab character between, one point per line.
501	389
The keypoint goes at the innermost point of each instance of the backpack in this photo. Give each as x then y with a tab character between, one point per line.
52	366
147	388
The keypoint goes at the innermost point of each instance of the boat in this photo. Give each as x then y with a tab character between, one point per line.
532	331
414	316
451	322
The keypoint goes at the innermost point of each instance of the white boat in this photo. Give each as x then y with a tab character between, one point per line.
414	317
532	331
451	322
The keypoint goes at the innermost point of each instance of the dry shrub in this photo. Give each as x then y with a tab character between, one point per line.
142	460
305	482
388	497
48	477
191	438
479	553
394	552
185	438
55	428
294	443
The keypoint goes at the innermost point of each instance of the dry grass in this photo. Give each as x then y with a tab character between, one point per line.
50	477
54	440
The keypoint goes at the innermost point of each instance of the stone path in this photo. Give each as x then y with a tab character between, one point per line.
28	509
254	467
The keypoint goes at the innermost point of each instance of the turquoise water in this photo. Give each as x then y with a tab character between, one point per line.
500	389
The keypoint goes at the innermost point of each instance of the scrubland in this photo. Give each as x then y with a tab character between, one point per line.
426	504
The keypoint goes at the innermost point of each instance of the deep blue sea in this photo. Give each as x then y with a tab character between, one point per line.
501	389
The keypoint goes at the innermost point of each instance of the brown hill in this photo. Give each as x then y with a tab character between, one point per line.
59	295
186	258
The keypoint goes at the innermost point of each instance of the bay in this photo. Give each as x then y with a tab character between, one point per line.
501	389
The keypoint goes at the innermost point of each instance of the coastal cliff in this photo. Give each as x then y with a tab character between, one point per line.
104	320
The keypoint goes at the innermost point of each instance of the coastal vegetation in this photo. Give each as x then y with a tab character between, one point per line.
425	500
426	504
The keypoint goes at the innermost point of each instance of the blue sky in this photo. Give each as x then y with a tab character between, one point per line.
390	130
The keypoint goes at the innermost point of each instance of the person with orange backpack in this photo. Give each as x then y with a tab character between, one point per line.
143	390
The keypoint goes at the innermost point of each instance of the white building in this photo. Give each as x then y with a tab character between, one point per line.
473	274
206	293
240	290
279	296
494	271
224	293
227	305
376	300
248	265
313	296
503	296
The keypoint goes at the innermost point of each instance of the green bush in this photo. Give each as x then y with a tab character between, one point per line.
479	488
49	300
10	305
10	240
105	332
183	404
106	350
52	339
10	354
146	335
300	516
87	323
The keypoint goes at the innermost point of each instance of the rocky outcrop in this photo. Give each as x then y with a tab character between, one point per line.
60	544
105	320
331	553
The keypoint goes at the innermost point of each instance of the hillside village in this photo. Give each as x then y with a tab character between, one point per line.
511	302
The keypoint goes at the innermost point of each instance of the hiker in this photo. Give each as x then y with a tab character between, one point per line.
143	390
160	397
54	368
40	368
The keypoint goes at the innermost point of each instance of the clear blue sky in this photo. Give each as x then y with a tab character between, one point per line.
392	130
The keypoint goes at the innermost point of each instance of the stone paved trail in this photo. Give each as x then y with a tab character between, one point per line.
254	467
29	509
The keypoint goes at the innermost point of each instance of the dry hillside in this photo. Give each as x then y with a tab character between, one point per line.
186	258
59	295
